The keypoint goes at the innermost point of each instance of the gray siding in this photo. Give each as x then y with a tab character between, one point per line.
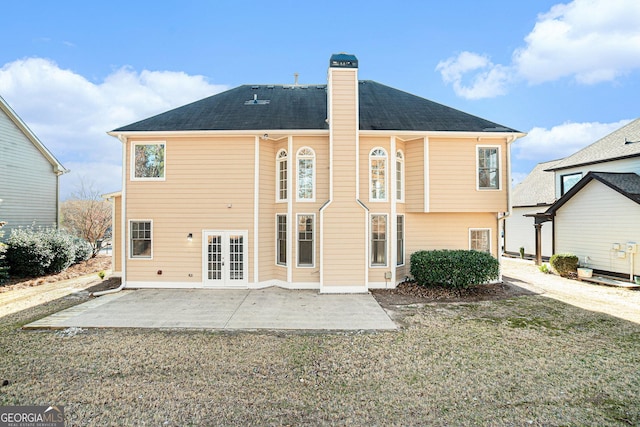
520	232
28	184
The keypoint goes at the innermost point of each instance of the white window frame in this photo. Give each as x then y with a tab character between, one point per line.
282	157
286	240
130	251
313	241
379	157
132	176
400	262
312	157
399	176
499	167
386	240
488	230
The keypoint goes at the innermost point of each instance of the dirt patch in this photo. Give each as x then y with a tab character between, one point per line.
92	265
411	293
110	283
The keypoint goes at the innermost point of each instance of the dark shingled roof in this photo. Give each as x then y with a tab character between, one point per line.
305	107
627	184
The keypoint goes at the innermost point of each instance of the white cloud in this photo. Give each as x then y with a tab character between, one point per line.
489	80
543	144
591	41
71	114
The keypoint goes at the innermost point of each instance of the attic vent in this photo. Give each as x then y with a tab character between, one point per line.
320	87
255	87
626	141
287	87
256	101
270	87
303	87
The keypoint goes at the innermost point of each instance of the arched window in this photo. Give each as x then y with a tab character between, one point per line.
399	176
378	174
306	174
281	165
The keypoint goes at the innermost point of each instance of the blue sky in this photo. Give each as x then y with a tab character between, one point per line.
567	73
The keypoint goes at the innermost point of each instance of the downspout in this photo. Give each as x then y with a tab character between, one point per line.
123	221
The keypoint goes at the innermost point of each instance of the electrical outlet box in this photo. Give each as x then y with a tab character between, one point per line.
622	254
632	247
615	246
387	275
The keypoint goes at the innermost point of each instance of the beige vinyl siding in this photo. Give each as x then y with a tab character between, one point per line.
116	223
592	220
28	184
201	183
267	215
453	177
446	231
344	219
414	175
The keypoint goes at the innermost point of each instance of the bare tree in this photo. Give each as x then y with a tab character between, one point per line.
87	216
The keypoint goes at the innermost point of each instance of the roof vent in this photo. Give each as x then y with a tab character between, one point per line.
270	87
626	141
256	101
254	87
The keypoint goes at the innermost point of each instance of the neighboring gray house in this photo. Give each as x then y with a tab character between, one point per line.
534	194
596	212
29	175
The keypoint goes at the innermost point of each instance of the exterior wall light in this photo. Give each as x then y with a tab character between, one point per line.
190	236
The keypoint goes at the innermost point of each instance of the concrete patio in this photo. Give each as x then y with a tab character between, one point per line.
270	308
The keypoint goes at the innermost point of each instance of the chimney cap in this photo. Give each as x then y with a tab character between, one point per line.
343	60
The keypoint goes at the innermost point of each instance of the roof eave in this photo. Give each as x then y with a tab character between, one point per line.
58	168
595	162
263	133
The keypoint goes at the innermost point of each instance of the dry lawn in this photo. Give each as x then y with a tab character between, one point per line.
527	360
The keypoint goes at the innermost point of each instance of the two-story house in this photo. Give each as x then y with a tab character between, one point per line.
29	176
329	186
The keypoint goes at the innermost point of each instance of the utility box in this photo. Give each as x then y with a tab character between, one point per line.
615	246
632	247
622	254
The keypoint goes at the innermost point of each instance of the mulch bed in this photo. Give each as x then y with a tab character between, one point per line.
412	293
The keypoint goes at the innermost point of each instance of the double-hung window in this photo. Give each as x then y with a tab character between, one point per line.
488	168
282	184
306	174
480	239
378	240
399	176
305	240
400	240
140	235
281	239
378	174
148	161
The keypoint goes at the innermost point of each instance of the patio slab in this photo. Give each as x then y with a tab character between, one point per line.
270	308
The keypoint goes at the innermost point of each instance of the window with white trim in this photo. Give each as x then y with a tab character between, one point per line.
305	240
488	168
281	160
148	161
400	240
306	174
480	239
378	174
378	240
281	239
140	235
399	176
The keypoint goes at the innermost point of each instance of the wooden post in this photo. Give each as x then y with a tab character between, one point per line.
538	243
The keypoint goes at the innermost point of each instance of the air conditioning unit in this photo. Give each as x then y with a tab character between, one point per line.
632	247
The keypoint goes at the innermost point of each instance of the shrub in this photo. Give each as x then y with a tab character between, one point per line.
564	264
83	250
457	269
35	252
544	268
27	253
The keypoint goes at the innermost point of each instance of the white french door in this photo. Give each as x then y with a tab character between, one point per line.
225	259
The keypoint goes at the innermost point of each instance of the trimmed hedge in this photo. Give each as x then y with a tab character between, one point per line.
564	264
32	252
457	269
